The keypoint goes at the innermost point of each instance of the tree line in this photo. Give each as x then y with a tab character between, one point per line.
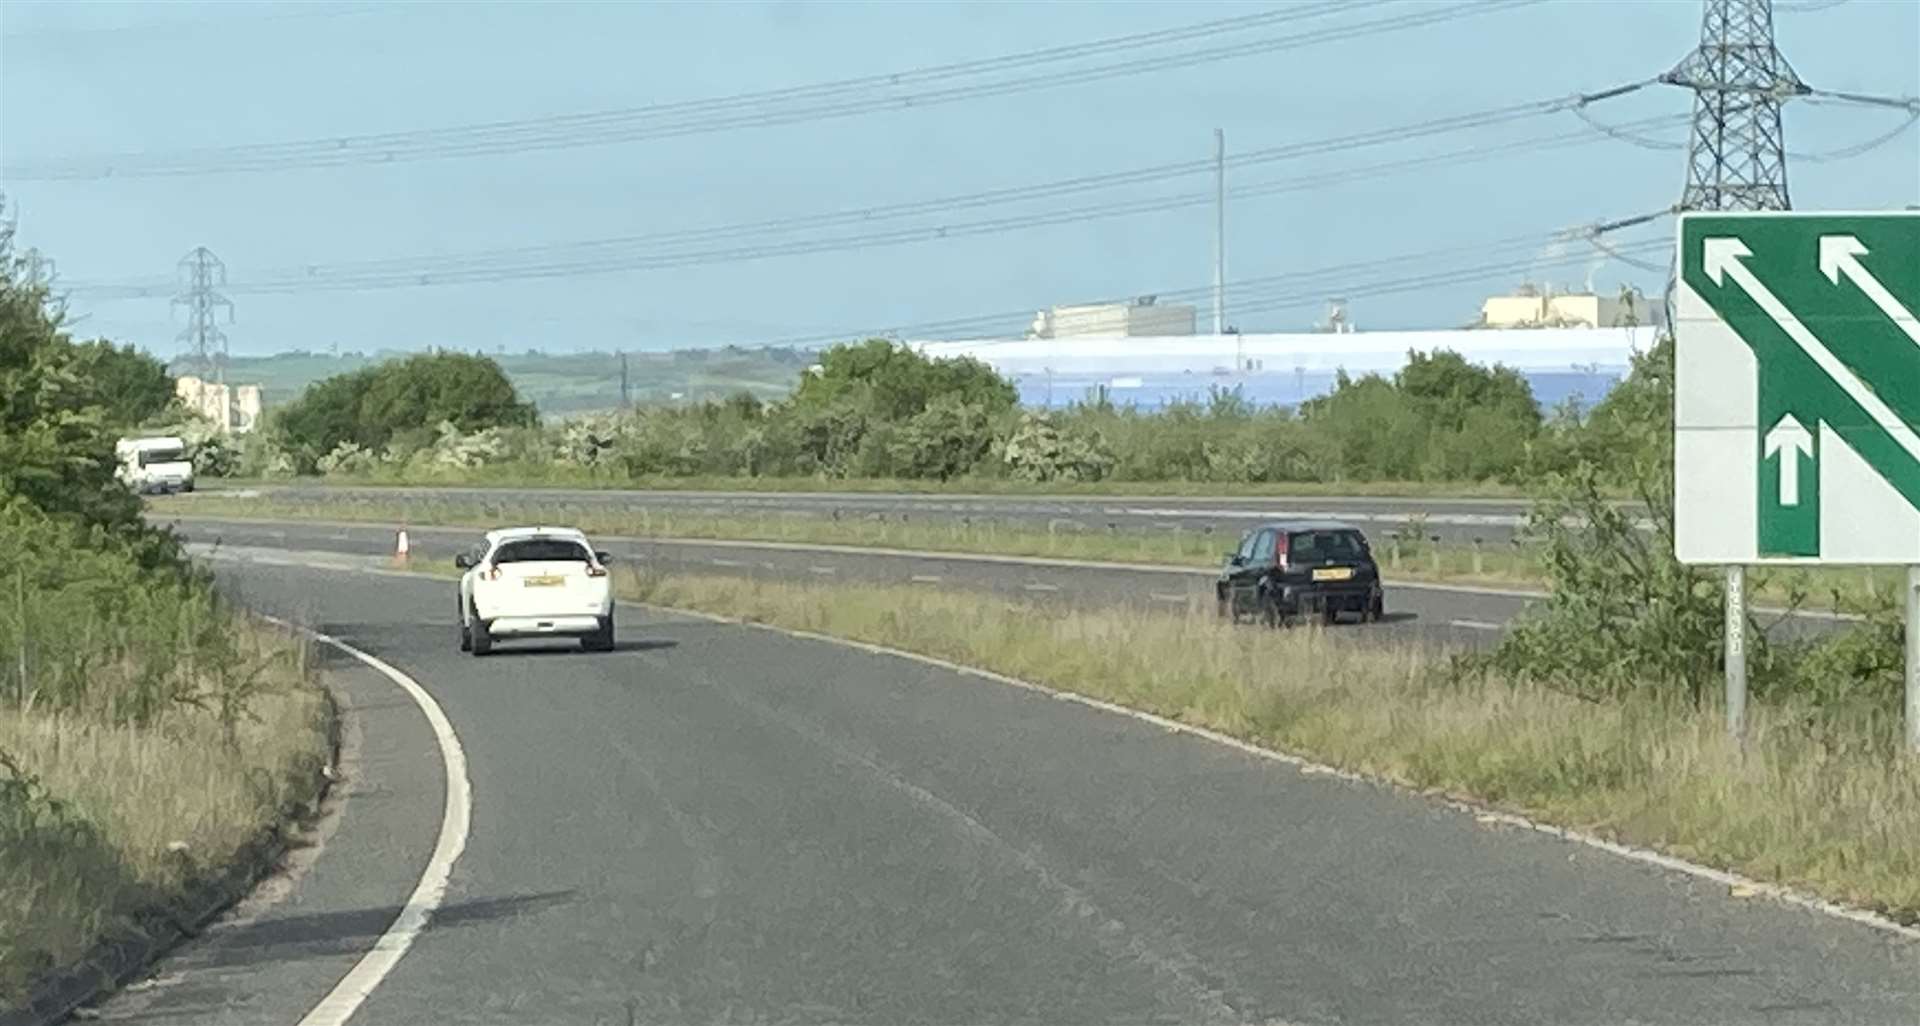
876	409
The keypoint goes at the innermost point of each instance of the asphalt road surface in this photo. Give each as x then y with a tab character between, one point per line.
718	823
1455	520
1460	617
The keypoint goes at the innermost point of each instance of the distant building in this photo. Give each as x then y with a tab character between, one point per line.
1141	317
1530	307
1286	369
233	409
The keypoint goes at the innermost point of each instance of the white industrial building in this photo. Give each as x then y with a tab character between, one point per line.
1141	317
232	409
1289	368
1543	308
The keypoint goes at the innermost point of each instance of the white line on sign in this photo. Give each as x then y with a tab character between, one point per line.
1474	625
1722	256
1840	254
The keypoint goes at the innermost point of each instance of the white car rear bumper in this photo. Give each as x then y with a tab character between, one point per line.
535	625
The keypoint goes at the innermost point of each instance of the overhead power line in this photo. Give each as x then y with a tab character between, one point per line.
753	110
1909	104
662	250
54	33
1864	146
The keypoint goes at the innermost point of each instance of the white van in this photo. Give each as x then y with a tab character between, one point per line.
158	464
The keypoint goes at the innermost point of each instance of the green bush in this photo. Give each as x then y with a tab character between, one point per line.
877	409
131	386
1623	614
373	406
1043	450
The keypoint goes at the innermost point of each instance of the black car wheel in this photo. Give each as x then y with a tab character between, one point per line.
480	639
1377	609
600	640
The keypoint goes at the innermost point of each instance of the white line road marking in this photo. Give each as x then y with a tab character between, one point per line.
926	555
1481	813
726	562
1040	587
924	579
1474	625
1161	596
1305	766
825	571
345	998
1361	516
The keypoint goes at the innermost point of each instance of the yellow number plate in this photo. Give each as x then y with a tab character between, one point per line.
1334	573
545	582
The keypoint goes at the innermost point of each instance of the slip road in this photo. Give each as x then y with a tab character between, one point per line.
723	823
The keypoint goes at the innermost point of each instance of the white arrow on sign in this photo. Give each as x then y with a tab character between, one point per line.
1720	257
1840	254
1789	440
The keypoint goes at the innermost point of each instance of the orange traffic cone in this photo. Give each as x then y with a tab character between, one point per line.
400	548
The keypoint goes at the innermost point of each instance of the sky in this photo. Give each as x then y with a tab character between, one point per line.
78	80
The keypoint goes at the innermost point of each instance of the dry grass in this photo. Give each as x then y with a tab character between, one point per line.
1832	810
133	796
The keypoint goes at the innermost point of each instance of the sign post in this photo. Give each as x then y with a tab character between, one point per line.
1797	405
1913	660
1736	660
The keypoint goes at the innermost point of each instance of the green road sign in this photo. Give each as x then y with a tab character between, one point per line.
1797	388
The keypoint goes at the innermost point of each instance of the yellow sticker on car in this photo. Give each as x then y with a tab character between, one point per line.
1333	573
548	581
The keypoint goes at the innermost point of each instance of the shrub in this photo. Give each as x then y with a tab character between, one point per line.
371	406
1042	450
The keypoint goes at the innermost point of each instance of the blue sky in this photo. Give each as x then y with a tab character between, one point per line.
79	79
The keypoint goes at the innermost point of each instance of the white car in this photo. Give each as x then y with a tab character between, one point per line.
535	582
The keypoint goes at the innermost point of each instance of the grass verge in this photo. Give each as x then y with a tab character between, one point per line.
548	475
1504	564
1494	564
1815	802
105	826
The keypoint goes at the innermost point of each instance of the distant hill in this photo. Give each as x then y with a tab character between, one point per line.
562	383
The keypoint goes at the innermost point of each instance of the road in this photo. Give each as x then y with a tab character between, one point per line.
718	823
1454	520
1460	617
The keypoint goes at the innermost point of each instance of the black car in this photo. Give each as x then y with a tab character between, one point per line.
1286	570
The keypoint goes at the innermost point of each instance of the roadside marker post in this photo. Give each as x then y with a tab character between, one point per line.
1797	406
1736	658
1913	659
